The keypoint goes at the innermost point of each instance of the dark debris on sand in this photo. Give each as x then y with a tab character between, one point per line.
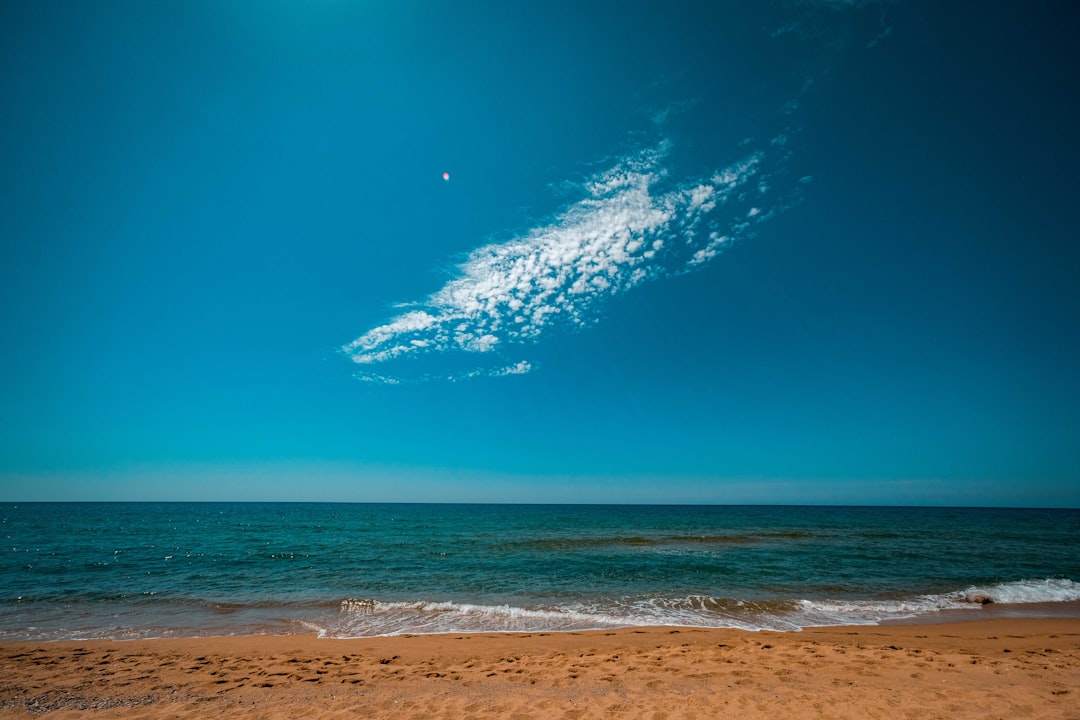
50	702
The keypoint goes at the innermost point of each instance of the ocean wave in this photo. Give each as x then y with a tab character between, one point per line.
370	617
1048	590
366	617
1025	591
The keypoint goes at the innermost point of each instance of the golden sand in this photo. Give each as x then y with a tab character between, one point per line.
1003	668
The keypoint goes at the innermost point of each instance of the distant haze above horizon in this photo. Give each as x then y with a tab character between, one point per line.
789	252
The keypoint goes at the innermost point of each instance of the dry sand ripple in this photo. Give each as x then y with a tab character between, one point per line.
990	669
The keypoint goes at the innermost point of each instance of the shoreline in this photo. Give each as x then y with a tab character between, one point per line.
294	627
998	667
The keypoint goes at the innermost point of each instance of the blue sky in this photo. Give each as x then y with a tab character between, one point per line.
786	252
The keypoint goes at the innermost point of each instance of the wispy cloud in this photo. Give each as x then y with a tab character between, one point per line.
816	20
884	32
634	223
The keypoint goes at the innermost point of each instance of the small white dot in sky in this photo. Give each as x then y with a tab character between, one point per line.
446	176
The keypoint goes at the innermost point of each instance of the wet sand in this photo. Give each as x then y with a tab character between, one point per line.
1001	668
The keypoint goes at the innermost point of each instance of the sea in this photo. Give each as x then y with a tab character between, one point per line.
147	570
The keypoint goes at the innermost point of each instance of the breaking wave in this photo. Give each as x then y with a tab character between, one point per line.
369	617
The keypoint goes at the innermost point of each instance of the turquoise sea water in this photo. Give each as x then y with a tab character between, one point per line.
116	570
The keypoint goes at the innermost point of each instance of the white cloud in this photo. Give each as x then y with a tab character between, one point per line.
710	250
633	224
519	368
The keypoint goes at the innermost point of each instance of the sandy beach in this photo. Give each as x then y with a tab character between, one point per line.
1002	668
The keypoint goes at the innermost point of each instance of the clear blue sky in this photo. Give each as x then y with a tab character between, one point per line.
775	252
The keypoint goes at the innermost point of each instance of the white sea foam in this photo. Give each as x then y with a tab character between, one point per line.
1026	591
362	618
359	618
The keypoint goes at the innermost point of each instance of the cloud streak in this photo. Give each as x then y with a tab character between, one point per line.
635	223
